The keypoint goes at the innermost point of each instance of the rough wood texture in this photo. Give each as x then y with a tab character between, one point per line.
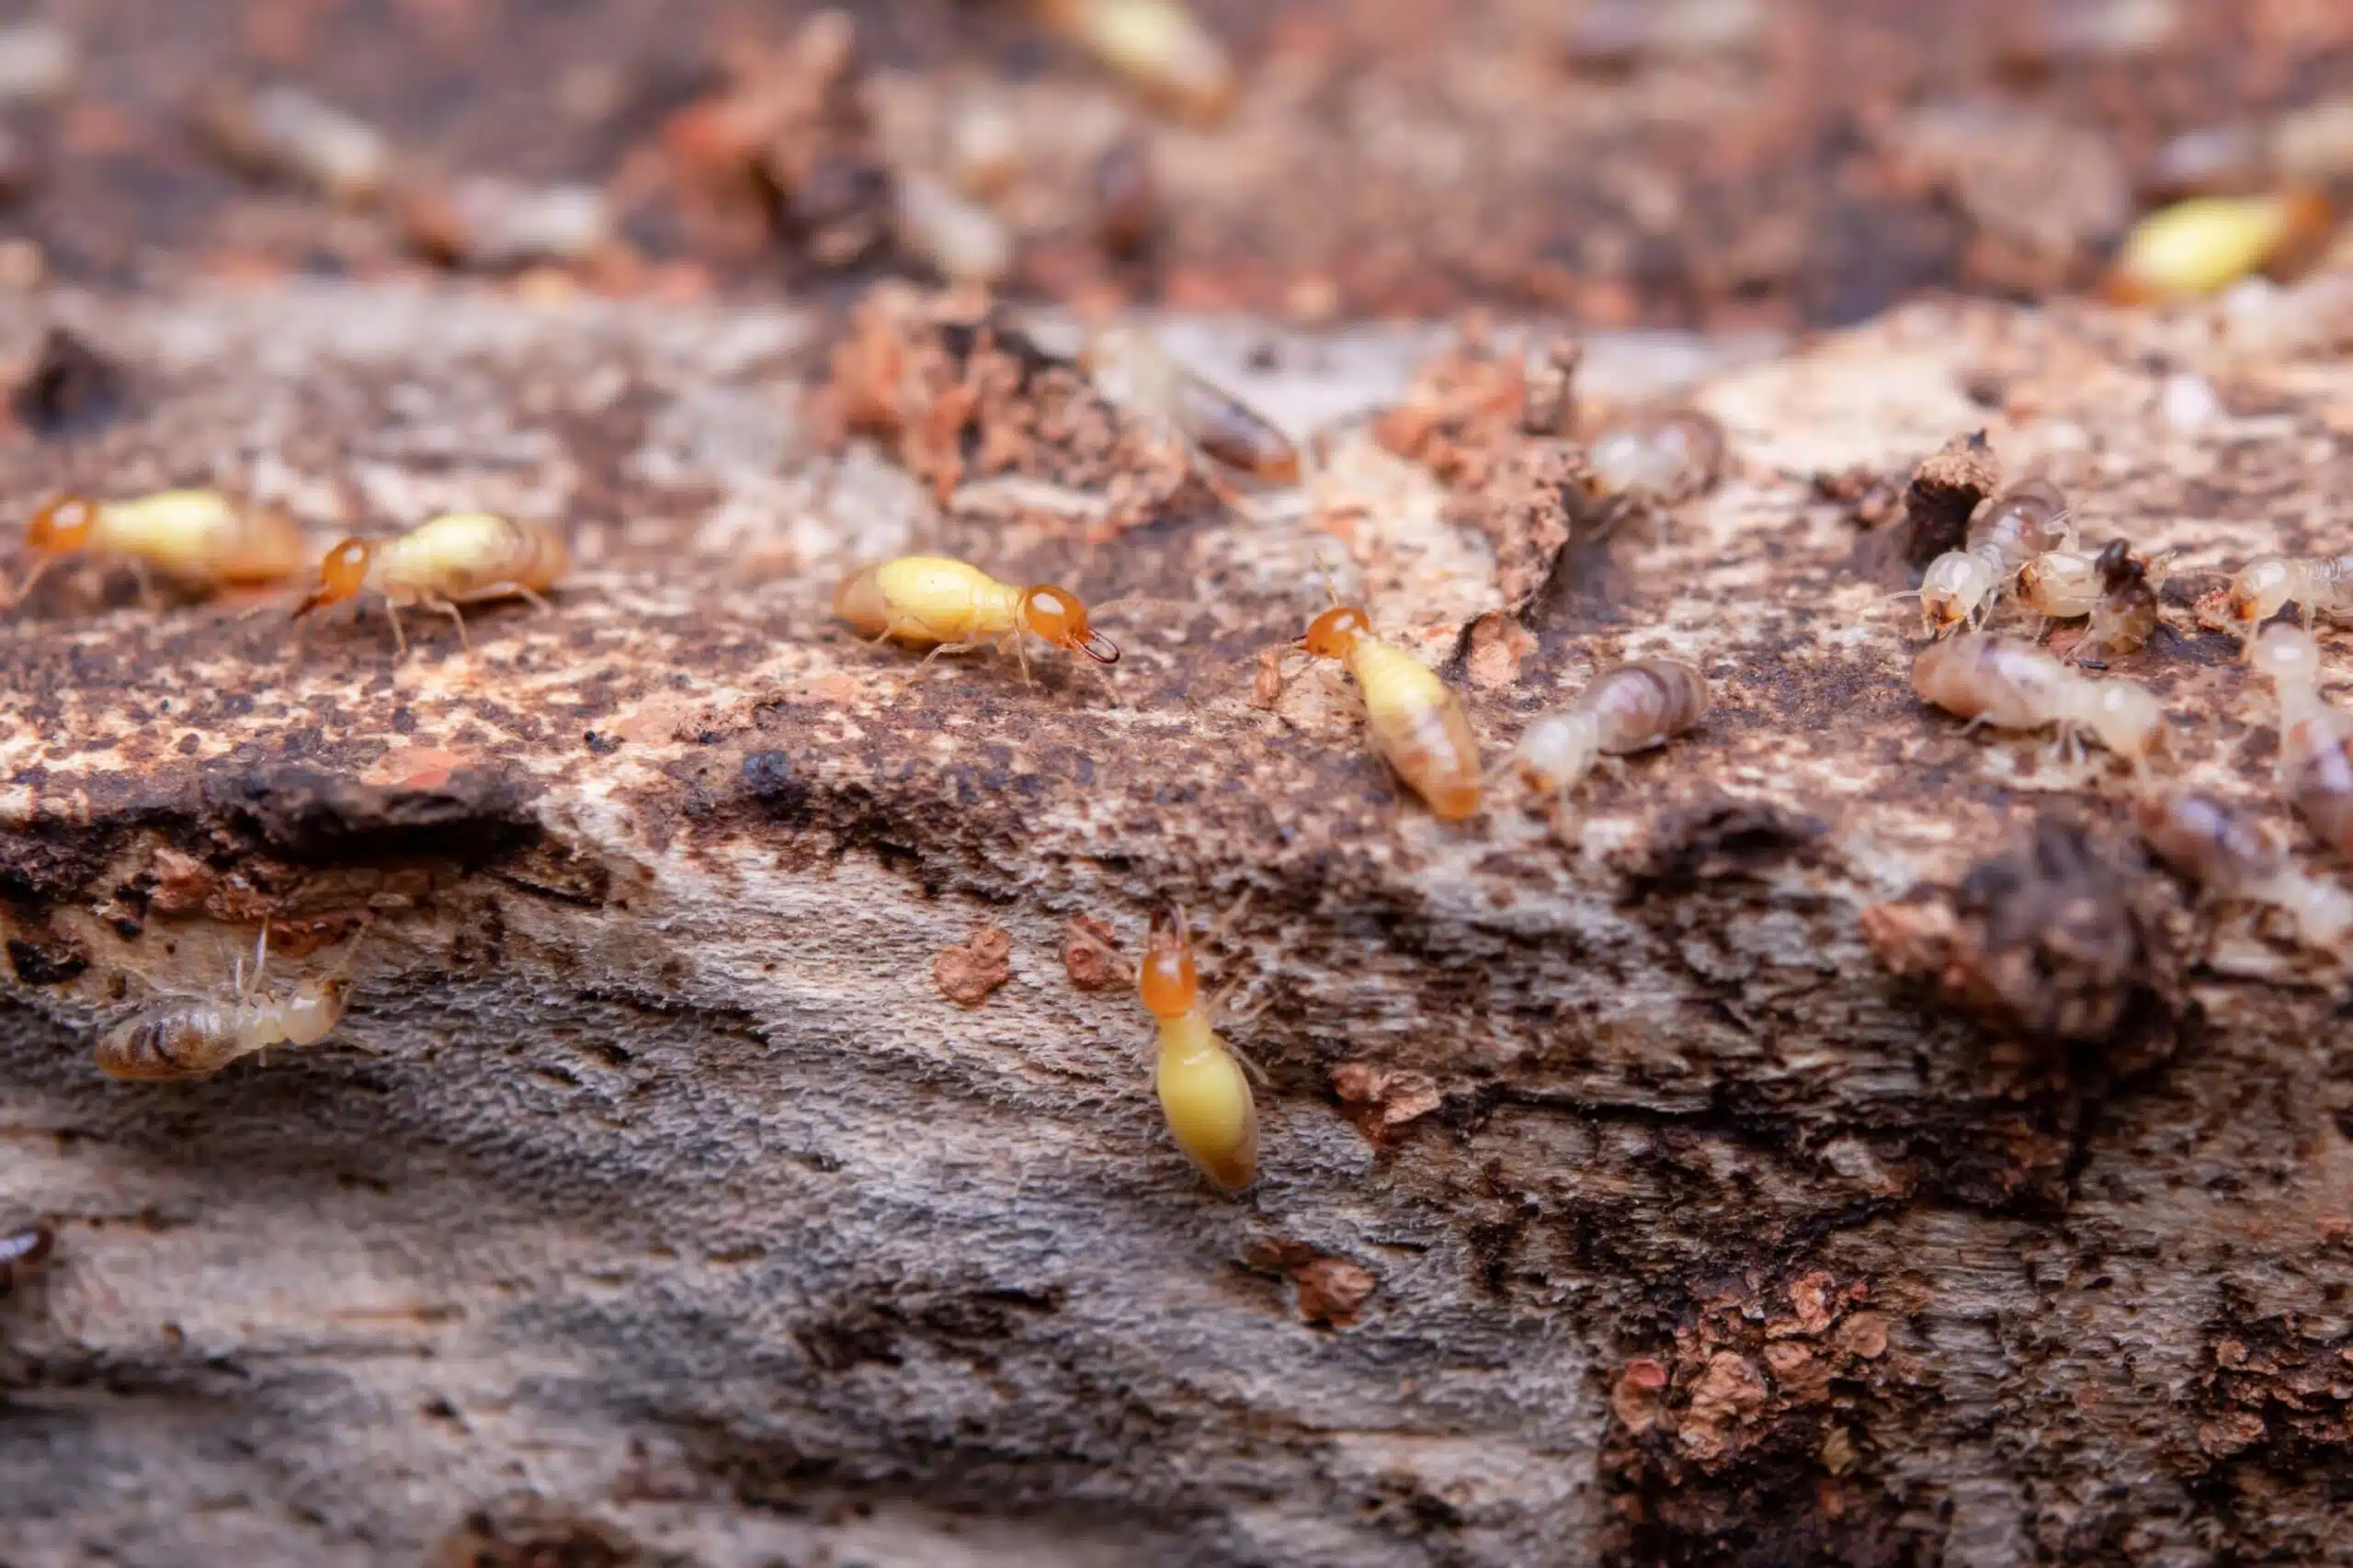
1620	1203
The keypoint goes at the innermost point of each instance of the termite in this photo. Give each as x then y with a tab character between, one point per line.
2023	522
1203	1090
1656	462
2315	740
2013	684
2060	585
2232	858
458	558
2261	588
954	608
23	1251
197	1036
2124	617
1417	724
1628	708
195	538
2208	242
1158	45
1212	420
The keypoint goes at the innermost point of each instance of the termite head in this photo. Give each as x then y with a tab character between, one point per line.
62	526
2260	587
1167	980
341	575
1331	634
2118	567
1956	583
1056	615
314	1010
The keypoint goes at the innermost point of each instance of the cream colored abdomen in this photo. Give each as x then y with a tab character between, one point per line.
198	537
1207	1102
1418	727
930	598
465	556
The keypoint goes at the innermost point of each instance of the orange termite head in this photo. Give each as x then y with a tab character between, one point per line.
342	573
1056	615
62	526
1330	634
1165	981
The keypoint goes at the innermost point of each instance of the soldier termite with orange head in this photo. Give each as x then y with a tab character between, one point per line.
1203	1090
2013	684
2231	858
930	600
195	538
197	1037
1417	724
1628	707
458	558
2266	585
1212	420
2021	523
2315	740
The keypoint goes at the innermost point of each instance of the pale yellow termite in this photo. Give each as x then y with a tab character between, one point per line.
931	600
195	538
1417	724
1652	464
458	558
2060	585
2208	242
1626	709
2232	858
2013	684
197	1036
1203	1090
2315	740
1210	419
2023	522
2323	585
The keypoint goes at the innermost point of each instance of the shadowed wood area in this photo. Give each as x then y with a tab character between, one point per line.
1837	1142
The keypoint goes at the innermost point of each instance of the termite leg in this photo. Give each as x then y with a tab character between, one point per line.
400	638
534	598
449	610
946	648
149	599
32	578
261	958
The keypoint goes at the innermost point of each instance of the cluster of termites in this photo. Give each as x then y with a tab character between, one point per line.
198	540
201	542
2024	548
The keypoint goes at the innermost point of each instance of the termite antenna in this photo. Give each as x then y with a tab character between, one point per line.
32	579
351	946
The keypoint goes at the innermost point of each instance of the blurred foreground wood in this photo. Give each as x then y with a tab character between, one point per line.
1620	1202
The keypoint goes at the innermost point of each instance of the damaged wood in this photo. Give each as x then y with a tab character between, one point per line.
1631	1191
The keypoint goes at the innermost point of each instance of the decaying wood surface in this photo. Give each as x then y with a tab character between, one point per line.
1845	1149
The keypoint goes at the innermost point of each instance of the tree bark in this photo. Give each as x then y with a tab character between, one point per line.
1836	1144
